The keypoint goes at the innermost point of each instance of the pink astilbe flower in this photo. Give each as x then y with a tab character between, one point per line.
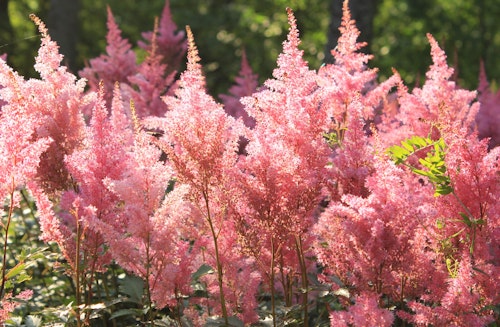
469	246
201	143
284	173
352	100
352	161
49	108
349	76
20	151
116	65
246	85
58	103
103	156
380	244
171	43
461	305
488	117
8	304
149	85
20	148
438	102
364	313
153	242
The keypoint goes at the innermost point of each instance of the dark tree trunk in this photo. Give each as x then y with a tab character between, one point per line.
6	32
63	26
363	11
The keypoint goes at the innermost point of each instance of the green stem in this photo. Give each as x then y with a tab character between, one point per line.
148	290
305	281
5	242
273	300
77	270
472	220
217	259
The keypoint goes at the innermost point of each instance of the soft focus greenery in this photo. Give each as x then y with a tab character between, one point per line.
467	29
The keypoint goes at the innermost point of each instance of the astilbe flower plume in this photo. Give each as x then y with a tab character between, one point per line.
201	142
50	108
20	152
103	155
170	42
378	244
341	83
466	238
246	85
58	103
364	313
283	176
397	233
20	149
438	102
488	117
116	65
349	76
153	241
150	84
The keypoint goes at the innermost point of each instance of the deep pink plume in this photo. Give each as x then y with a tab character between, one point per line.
116	65
246	85
171	42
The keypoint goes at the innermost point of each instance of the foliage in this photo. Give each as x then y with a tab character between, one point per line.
331	199
466	28
433	165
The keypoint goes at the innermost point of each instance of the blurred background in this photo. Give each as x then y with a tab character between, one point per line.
468	30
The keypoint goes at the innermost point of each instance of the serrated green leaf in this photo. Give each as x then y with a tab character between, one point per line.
421	172
421	142
407	146
443	190
17	269
425	163
22	277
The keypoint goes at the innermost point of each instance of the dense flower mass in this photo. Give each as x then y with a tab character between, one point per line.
321	194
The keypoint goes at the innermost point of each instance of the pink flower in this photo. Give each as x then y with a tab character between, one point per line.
488	117
8	304
116	65
149	85
171	43
246	85
282	179
201	142
364	313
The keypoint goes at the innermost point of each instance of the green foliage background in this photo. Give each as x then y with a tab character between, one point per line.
468	30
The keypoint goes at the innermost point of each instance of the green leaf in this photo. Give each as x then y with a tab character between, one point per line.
432	166
202	271
17	269
407	146
133	287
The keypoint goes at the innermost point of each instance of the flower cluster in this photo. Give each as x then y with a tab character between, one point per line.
285	188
